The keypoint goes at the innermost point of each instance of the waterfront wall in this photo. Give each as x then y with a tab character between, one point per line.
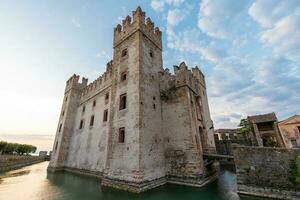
11	162
268	172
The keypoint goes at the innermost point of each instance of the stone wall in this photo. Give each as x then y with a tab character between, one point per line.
267	172
11	162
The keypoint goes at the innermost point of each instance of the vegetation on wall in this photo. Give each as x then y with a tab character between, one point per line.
294	174
15	148
168	94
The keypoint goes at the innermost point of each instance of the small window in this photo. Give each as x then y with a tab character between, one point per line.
154	106
105	115
94	103
122	101
294	143
106	96
124	76
66	98
298	128
153	97
92	120
81	124
59	128
122	135
56	145
124	53
83	109
151	54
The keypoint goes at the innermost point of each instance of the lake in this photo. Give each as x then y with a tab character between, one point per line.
33	182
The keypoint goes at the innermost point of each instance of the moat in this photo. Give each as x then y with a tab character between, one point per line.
33	182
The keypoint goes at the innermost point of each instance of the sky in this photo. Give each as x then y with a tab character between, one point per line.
248	50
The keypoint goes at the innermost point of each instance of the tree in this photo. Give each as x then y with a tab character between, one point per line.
3	144
10	148
244	127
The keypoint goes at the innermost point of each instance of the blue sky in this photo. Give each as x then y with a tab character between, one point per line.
249	51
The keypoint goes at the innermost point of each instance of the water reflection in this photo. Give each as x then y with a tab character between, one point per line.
33	182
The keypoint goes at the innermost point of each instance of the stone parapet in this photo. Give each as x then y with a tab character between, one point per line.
267	172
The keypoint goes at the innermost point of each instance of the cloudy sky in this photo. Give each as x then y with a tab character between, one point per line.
249	51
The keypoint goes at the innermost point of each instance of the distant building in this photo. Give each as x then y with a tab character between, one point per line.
290	131
227	134
225	137
43	153
265	130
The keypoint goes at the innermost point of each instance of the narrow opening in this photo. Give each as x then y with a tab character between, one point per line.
298	128
153	97
63	113
94	103
122	135
154	106
124	53
56	145
122	101
81	124
83	109
59	128
106	96
66	99
151	53
92	120
124	76
105	115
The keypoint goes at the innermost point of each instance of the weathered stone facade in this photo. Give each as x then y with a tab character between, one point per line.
290	131
268	172
265	130
137	126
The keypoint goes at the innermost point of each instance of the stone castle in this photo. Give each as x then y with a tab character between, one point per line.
137	126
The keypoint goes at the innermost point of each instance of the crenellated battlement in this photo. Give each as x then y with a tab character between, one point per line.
100	83
183	76
137	23
73	82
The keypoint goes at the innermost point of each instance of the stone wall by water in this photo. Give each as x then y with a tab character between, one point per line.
268	172
11	162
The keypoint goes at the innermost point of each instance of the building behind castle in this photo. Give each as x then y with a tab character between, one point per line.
137	126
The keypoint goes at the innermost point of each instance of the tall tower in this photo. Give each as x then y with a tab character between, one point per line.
135	148
66	122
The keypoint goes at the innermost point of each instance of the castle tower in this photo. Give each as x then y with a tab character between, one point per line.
136	151
66	122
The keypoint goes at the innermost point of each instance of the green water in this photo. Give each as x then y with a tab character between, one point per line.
33	182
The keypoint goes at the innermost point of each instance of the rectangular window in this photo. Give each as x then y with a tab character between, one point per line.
123	76
122	135
56	145
105	115
81	124
124	52
122	101
83	109
92	120
94	103
294	143
59	128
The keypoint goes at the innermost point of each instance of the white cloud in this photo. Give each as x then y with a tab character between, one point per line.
75	23
219	18
103	54
159	5
174	17
268	12
281	23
